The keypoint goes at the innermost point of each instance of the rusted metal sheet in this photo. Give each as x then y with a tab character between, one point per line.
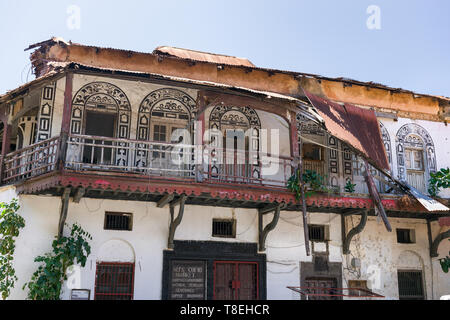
429	203
444	222
355	126
203	56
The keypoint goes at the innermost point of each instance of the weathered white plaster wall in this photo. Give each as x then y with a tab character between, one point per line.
377	249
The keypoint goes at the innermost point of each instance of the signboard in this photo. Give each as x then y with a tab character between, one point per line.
188	280
80	294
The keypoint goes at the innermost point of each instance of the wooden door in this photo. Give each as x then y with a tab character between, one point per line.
99	125
236	281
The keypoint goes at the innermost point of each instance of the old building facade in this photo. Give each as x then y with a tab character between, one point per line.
92	139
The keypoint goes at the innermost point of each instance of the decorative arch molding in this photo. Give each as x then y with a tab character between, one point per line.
412	134
409	259
229	115
116	250
164	101
243	118
102	97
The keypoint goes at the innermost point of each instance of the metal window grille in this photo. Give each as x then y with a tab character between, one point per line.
224	228
114	281
404	236
316	233
410	285
118	221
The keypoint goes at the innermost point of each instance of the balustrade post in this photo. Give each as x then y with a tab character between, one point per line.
6	146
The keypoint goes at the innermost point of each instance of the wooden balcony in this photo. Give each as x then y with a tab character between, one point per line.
168	161
109	168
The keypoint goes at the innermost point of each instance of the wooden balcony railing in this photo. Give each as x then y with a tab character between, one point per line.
34	160
123	155
152	159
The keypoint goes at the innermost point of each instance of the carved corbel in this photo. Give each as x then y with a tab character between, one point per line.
174	223
264	232
79	194
435	245
347	238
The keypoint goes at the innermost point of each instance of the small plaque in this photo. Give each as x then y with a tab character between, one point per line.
80	294
188	280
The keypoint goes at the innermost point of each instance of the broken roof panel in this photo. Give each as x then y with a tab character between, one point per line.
203	56
356	126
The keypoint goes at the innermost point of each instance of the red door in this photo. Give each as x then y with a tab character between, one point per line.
235	280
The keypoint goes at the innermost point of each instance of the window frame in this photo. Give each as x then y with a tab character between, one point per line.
112	213
115	264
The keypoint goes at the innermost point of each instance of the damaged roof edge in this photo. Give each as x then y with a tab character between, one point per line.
297	75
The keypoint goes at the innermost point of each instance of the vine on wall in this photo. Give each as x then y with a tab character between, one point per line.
438	180
46	283
10	225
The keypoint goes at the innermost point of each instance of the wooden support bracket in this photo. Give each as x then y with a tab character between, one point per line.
264	232
435	245
79	194
165	200
347	238
174	223
64	209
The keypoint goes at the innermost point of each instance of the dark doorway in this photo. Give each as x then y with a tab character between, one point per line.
235	281
234	271
99	125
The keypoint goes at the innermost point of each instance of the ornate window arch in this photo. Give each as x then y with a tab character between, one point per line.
166	107
226	117
165	103
386	142
414	136
104	97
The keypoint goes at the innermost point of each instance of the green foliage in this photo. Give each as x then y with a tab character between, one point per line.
312	182
445	264
47	281
438	180
10	225
349	187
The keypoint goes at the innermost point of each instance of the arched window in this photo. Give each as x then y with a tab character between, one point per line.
416	156
240	128
102	109
161	113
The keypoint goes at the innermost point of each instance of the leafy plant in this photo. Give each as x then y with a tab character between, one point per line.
312	182
349	186
445	264
438	180
10	225
47	281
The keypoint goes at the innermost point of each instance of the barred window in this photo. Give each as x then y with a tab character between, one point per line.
317	233
114	281
118	221
410	285
224	228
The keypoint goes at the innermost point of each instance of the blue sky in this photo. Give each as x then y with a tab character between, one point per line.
330	38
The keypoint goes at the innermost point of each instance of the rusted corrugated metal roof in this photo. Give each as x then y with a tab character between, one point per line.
444	222
429	203
356	126
203	56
